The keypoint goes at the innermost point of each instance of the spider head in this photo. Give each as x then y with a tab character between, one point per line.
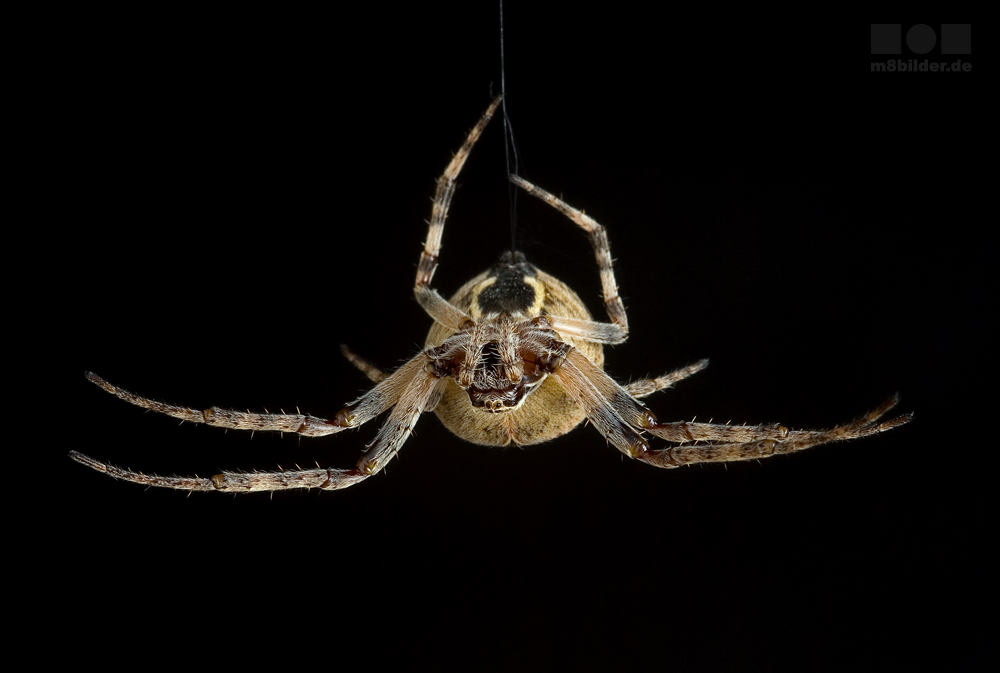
501	384
500	360
507	369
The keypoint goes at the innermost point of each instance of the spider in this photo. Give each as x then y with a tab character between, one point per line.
514	356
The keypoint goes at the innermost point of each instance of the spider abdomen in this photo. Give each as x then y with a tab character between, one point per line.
545	414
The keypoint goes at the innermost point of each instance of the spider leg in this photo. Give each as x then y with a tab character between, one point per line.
644	387
397	428
608	406
602	251
409	389
435	305
620	418
302	424
587	330
373	373
419	390
232	481
440	309
759	441
686	432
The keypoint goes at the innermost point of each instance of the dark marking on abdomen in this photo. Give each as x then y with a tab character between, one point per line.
509	293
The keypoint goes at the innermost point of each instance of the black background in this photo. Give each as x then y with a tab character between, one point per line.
250	191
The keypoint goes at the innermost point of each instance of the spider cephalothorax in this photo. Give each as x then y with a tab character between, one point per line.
513	356
500	360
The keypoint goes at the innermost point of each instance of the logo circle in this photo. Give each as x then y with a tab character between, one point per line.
921	38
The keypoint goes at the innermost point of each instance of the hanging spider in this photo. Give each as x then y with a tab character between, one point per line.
514	356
